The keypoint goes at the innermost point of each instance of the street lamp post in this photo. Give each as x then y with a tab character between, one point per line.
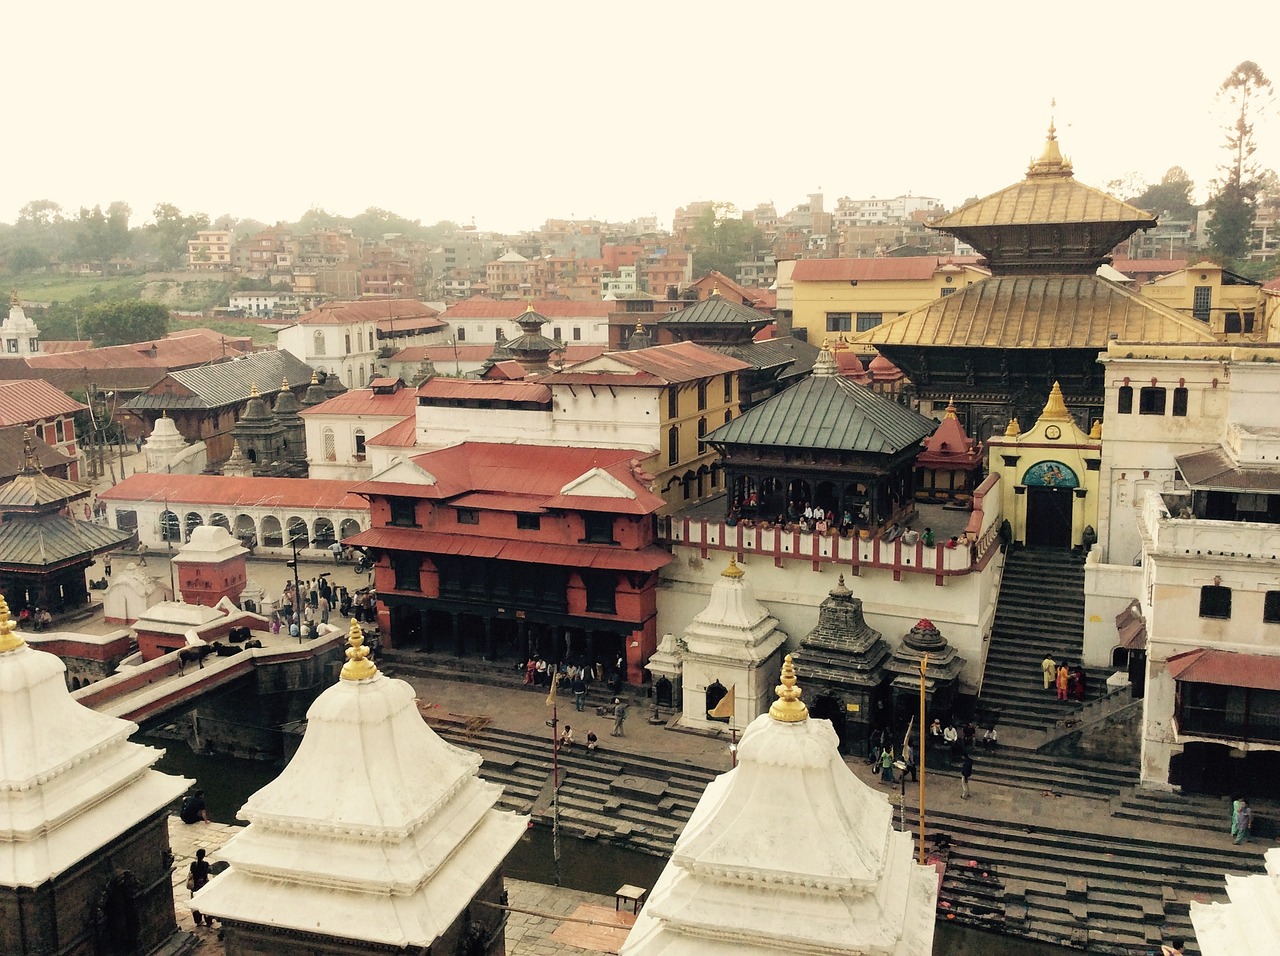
297	592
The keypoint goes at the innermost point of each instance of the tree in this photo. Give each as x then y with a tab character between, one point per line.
26	258
124	322
1170	198
1247	93
40	212
721	239
103	235
166	237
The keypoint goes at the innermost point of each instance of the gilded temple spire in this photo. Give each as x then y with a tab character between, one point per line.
10	640
788	708
732	571
358	665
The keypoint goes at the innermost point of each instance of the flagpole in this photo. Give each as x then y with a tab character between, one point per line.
555	773
924	666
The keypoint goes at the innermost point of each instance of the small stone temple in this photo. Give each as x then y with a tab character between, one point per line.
845	659
942	674
84	836
950	466
378	836
789	853
732	646
167	452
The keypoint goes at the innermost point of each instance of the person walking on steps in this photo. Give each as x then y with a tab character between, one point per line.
1050	668
966	771
619	717
1062	681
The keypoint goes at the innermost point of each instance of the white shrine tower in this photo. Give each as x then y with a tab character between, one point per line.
734	642
1250	924
19	336
376	833
84	835
789	853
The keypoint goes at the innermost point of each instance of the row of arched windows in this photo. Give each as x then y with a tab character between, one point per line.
270	532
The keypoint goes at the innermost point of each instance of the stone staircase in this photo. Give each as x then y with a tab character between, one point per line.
1095	890
1041	608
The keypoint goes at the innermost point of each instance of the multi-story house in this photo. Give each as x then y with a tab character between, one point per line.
210	251
49	413
343	338
484	319
1189	534
550	551
338	430
1231	306
841	297
509	275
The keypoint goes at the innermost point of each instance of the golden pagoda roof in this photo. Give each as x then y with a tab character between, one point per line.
1048	195
1038	312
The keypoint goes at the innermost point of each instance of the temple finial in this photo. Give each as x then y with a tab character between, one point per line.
788	708
14	301
732	571
315	377
1053	130
10	640
253	390
358	665
1012	430
1056	407
284	384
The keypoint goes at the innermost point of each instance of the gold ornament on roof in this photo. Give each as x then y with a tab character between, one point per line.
14	301
952	412
315	377
9	637
788	708
1055	408
253	390
284	384
1012	430
1051	161
1095	432
358	665
732	571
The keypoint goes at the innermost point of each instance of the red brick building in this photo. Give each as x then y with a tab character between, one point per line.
506	550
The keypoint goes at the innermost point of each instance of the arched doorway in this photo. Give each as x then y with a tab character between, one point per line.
1050	504
170	529
716	692
323	533
348	528
192	521
245	527
272	535
828	707
297	532
219	520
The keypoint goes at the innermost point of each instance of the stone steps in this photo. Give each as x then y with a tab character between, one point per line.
1029	770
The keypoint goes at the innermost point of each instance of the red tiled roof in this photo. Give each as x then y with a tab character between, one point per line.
68	345
874	270
179	350
481	389
230	492
416	323
668	364
483	307
366	402
1225	668
539	471
366	310
509	371
529	552
496	501
30	399
400	435
631	379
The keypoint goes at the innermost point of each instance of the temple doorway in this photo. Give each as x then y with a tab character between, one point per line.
1049	514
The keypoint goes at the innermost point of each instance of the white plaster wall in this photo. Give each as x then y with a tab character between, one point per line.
963	608
1108	589
344	465
440	427
300	340
593	330
616	417
189	460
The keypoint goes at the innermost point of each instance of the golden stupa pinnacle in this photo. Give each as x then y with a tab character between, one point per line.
284	384
1012	430
253	390
358	665
315	377
952	411
9	637
732	571
1055	408
1095	432
14	301
788	708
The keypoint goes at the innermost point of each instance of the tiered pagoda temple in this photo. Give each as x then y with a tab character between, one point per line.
1043	316
845	659
789	853
731	327
942	672
44	551
950	466
825	441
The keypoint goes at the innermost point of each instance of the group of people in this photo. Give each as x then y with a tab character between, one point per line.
95	512
539	672
35	618
1069	682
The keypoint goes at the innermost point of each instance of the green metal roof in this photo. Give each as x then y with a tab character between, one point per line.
717	310
31	542
831	413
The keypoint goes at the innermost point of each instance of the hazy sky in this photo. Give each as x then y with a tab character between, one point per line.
512	113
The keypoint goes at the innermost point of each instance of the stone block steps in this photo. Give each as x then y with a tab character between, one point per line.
1040	610
1195	811
1029	770
1060	884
